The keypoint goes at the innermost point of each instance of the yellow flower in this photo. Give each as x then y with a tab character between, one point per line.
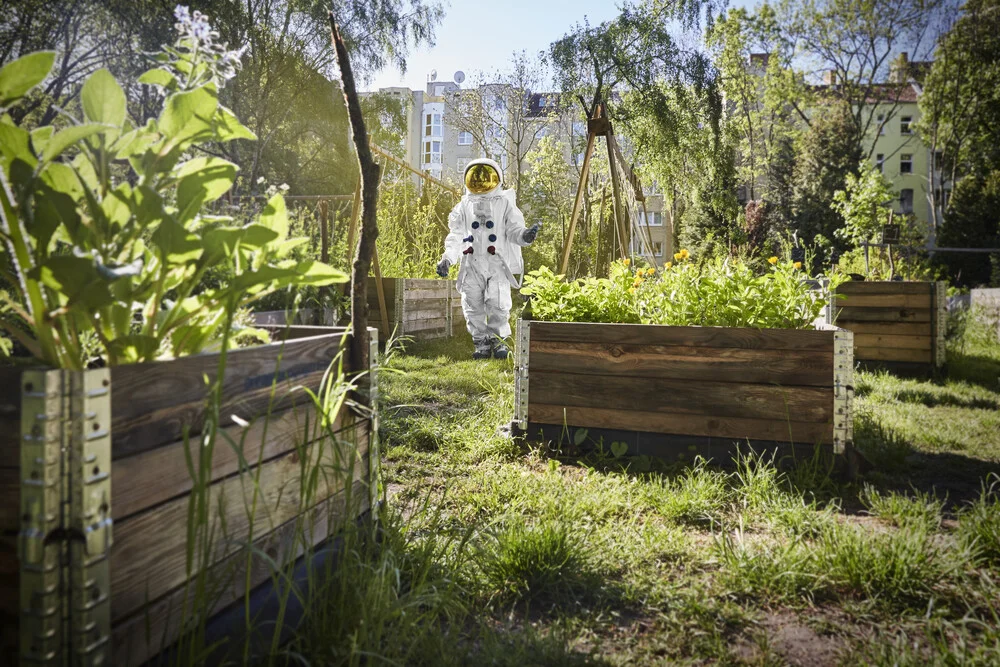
685	254
631	290
678	257
772	260
650	271
668	265
797	265
626	261
638	281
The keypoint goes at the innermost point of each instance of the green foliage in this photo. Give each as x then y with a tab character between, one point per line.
921	510
862	204
719	292
98	249
971	221
412	226
979	525
546	196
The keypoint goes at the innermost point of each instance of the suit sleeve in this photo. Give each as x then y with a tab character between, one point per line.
456	229
515	223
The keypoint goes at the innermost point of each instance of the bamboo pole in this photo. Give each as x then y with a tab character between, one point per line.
395	160
324	232
580	189
616	192
380	290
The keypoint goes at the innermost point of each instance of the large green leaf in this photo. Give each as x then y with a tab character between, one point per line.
75	277
134	348
63	139
20	76
15	142
229	127
40	137
318	273
103	99
159	77
275	217
117	207
189	114
202	180
176	244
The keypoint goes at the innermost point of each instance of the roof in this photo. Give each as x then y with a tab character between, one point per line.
880	93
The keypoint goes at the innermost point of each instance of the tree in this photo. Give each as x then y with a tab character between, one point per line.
547	195
498	111
854	43
972	222
826	154
862	204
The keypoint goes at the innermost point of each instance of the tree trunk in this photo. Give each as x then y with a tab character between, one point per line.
358	353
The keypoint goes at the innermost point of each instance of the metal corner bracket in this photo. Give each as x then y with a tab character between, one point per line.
843	390
522	348
66	527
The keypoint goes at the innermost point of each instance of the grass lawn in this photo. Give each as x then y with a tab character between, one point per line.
493	552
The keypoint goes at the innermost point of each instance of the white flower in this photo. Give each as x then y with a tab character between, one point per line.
182	14
260	180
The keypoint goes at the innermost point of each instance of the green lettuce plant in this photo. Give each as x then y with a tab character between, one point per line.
106	242
720	292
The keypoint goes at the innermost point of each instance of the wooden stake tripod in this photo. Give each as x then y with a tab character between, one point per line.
600	125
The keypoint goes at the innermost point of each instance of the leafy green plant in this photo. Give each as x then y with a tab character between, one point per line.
714	292
103	222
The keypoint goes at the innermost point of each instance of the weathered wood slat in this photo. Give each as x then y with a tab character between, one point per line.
892	341
10	500
887	328
425	313
683	424
720	364
884	287
892	354
163	617
158	475
152	404
149	555
645	334
420	294
847	315
715	399
427	283
885	301
425	325
10	416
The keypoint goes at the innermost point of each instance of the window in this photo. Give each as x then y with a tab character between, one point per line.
904	125
432	152
658	248
906	200
938	159
880	163
465	138
881	123
432	125
542	101
543	131
655	219
462	163
905	163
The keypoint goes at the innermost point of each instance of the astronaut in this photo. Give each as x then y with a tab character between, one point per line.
487	232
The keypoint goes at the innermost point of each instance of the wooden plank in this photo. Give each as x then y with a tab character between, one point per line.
158	475
424	325
892	354
411	284
719	364
425	313
888	328
654	334
885	301
683	424
883	315
10	500
154	628
10	416
715	399
10	573
419	294
149	555
300	331
152	403
884	287
894	342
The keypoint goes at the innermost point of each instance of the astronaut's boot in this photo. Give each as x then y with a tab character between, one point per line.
484	348
500	350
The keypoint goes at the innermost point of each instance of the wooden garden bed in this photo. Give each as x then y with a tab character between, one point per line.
898	325
152	408
677	391
420	308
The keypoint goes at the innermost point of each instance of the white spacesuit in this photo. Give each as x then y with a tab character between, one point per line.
486	232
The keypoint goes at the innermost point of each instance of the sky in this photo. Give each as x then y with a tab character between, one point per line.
481	36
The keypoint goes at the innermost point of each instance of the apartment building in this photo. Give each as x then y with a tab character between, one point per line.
440	143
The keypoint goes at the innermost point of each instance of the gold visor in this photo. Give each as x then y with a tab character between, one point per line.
481	178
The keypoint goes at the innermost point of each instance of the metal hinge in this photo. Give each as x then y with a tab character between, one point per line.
522	347
66	528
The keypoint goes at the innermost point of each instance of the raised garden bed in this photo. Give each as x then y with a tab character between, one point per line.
129	578
897	325
677	391
419	308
